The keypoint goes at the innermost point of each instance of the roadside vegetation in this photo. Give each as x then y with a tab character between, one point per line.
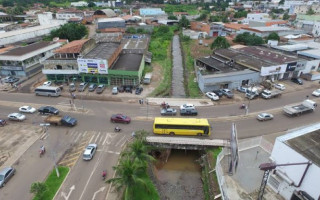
131	172
192	88
190	9
69	31
47	190
160	47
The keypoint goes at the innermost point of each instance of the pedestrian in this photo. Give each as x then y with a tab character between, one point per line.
141	101
307	96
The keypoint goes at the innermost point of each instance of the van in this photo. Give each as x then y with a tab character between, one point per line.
147	78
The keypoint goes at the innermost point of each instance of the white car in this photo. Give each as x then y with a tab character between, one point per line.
316	93
264	116
187	105
89	151
17	117
27	109
212	96
280	86
47	83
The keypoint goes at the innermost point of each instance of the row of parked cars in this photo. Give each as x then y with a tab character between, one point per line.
215	95
185	109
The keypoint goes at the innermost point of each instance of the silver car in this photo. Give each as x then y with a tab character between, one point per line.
17	117
6	174
264	116
89	151
82	86
168	111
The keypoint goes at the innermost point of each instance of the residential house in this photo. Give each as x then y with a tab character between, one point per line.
79	4
69	14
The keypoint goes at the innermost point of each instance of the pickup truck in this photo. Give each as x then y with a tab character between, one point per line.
59	120
267	94
253	92
296	110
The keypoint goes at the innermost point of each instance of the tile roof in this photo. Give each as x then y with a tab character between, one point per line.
235	26
19	51
72	47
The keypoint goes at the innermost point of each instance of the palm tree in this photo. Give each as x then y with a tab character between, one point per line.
129	175
138	151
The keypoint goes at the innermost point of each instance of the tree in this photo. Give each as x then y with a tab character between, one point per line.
184	22
220	43
281	2
248	39
38	189
129	174
131	30
91	4
240	14
285	16
7	3
70	31
273	36
202	17
172	17
310	11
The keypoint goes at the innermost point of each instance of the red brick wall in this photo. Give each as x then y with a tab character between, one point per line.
199	26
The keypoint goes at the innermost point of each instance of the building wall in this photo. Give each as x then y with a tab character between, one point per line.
303	9
200	26
115	24
281	154
256	17
114	56
207	83
67	16
311	65
316	29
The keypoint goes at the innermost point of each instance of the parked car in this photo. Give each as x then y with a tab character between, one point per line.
115	90
82	86
279	86
128	88
17	117
100	89
227	92
27	109
120	118
92	87
139	90
218	92
316	93
187	105
264	116
121	89
297	81
48	110
3	122
168	111
6	174
190	111
47	83
212	96
72	87
242	89
10	79
89	151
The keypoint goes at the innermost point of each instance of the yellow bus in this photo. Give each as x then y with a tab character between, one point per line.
181	126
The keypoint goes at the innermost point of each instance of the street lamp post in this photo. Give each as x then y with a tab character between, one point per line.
247	108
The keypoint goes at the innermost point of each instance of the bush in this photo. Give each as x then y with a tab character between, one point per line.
248	39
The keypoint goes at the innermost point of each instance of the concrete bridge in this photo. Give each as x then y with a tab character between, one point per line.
184	142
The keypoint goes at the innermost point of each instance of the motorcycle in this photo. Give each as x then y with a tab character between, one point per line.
243	106
104	174
117	129
42	151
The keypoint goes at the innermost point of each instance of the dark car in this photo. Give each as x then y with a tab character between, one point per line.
5	175
92	87
48	110
121	89
188	112
227	92
128	88
139	90
100	89
297	81
120	118
218	92
3	122
68	121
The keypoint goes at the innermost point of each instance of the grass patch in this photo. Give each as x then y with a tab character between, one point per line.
61	4
190	9
191	86
53	182
140	192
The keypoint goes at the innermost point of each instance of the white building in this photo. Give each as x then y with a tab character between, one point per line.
68	14
297	181
79	4
316	29
256	17
289	4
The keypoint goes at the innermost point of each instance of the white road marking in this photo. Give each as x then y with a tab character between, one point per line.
73	132
84	134
113	152
97	138
91	139
79	135
108	139
101	138
66	197
124	142
119	142
96	192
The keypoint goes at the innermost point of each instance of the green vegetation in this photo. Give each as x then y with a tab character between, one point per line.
52	184
38	189
7	3
281	2
219	18
192	88
132	30
220	43
190	9
273	36
202	17
172	17
69	31
248	39
161	55
61	4
285	16
240	14
310	11
184	22
131	172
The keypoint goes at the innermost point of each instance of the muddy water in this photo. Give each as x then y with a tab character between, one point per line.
180	177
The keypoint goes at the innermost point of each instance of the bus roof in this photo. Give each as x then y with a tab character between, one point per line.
47	87
191	121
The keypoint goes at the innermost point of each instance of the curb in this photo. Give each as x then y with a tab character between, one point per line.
62	183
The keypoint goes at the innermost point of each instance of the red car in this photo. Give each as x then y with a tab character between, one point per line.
120	118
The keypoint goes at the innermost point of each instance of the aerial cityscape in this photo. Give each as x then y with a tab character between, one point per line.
159	100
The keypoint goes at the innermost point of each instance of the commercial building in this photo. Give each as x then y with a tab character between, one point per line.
301	145
69	14
26	61
105	23
265	31
263	23
151	11
79	4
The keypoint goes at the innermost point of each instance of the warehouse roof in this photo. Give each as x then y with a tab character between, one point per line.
27	30
72	47
102	51
128	62
24	50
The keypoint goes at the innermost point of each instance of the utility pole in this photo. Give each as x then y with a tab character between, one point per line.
247	108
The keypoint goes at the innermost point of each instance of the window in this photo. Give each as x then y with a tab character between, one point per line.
58	67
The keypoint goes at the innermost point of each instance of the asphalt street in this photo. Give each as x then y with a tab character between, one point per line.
84	181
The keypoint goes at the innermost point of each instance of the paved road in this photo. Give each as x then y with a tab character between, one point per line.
177	69
94	126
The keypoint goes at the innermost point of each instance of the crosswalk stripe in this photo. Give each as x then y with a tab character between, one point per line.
104	141
91	139
77	138
117	144
101	139
97	138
